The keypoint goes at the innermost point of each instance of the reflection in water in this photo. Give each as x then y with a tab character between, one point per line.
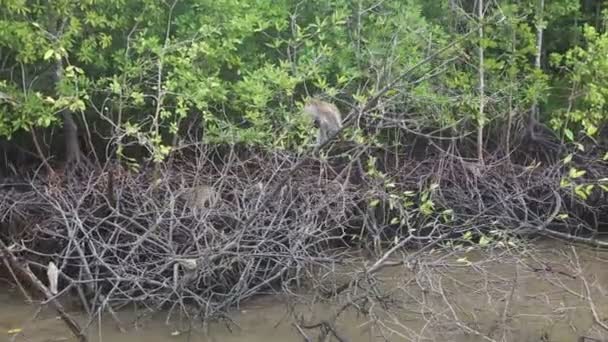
485	297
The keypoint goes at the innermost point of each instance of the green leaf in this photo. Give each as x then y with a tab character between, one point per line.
484	241
138	97
579	190
591	130
427	207
77	105
574	173
569	134
48	54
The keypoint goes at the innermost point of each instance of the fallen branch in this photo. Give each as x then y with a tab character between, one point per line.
326	327
38	285
596	316
383	262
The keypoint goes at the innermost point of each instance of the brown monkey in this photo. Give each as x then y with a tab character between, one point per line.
326	117
201	196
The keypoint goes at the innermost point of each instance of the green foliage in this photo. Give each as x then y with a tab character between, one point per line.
576	182
587	73
21	112
143	68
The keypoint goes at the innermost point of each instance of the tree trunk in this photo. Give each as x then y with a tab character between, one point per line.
70	129
533	117
539	50
481	114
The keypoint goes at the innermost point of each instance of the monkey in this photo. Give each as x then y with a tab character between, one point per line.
326	117
201	196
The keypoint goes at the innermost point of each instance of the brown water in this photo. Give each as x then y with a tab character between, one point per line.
494	296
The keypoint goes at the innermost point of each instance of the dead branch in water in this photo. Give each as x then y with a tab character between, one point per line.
38	285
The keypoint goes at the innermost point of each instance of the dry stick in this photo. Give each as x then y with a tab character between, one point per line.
459	322
46	164
36	283
382	262
508	299
328	326
18	282
301	332
596	316
542	229
588	339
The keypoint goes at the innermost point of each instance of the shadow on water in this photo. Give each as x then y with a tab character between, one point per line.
538	293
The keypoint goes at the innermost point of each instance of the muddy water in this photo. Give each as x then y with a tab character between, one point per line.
538	292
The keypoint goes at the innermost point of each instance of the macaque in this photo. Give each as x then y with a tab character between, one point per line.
326	117
201	196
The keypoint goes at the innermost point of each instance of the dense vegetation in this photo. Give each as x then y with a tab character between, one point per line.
139	71
464	118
